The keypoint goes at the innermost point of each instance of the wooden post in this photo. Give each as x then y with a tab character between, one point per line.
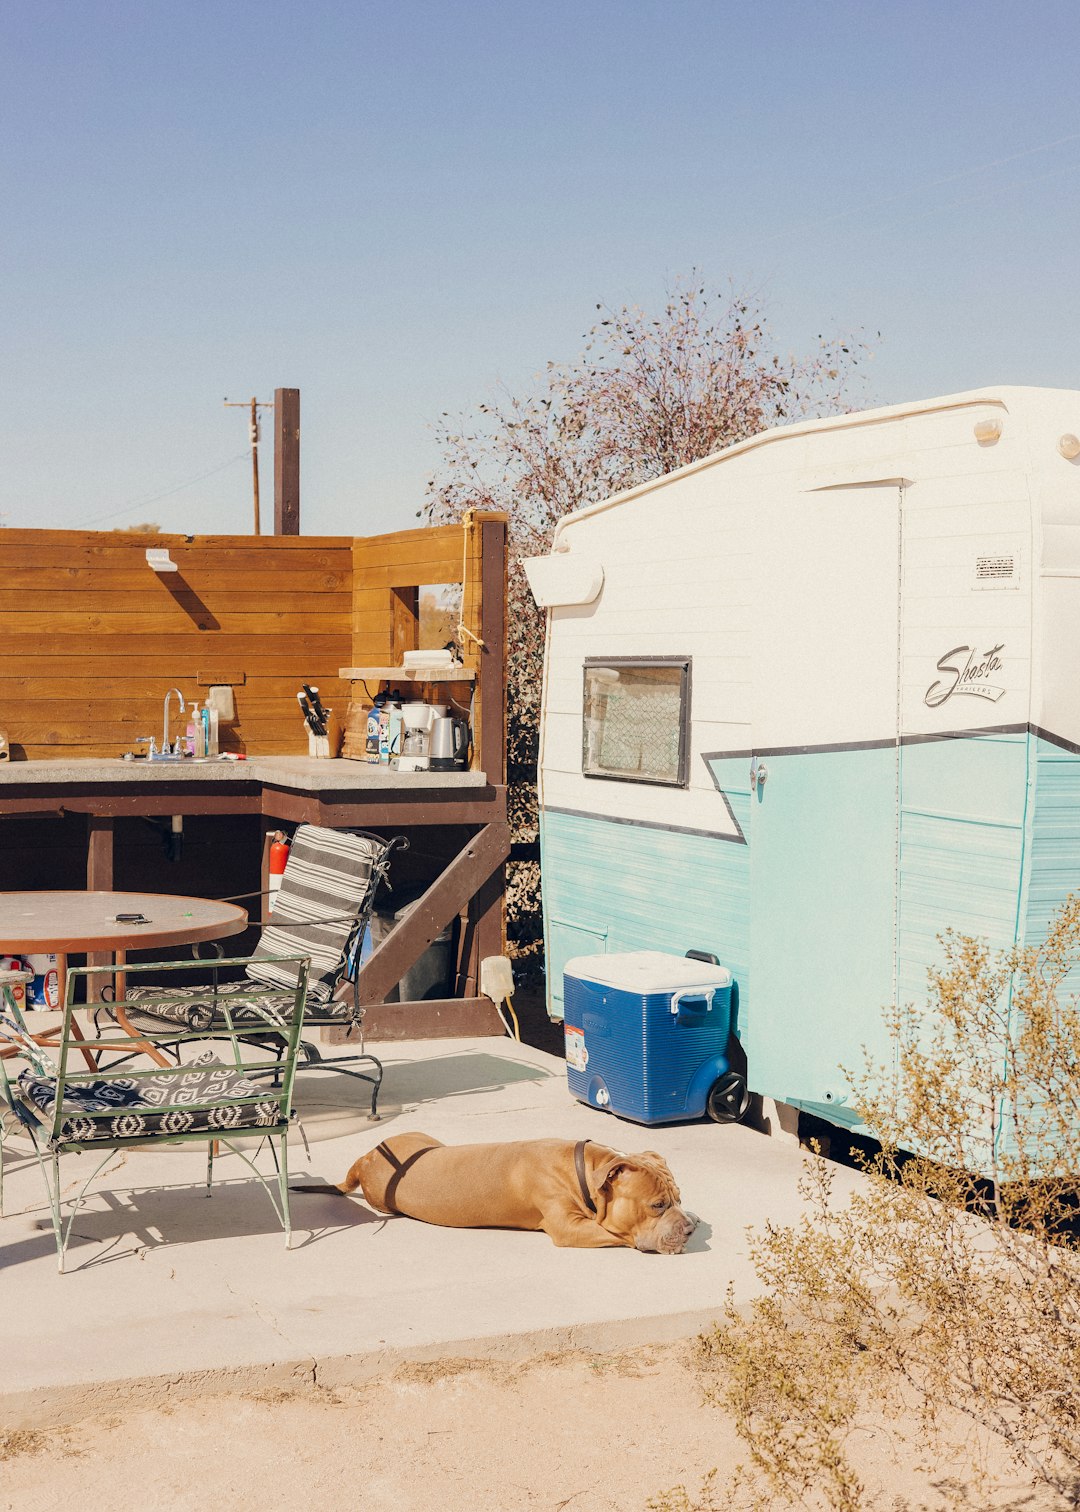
486	928
99	878
492	695
286	461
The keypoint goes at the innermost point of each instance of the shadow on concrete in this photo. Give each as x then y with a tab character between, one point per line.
120	1224
699	1239
453	1075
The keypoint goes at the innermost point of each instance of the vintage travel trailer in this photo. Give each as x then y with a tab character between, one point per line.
813	700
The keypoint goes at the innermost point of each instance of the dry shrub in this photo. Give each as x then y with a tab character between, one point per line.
946	1291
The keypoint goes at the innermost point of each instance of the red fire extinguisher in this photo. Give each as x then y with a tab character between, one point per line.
279	859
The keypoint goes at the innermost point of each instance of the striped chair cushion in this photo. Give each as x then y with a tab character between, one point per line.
328	877
198	1009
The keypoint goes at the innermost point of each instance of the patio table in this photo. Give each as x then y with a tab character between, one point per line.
39	923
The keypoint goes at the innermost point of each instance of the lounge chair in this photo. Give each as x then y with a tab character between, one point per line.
65	1108
322	909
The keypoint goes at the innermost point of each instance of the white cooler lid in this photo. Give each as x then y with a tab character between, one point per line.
647	971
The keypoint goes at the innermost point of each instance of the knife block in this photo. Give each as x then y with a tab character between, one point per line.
327	746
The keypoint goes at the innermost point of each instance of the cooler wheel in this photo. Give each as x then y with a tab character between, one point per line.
728	1099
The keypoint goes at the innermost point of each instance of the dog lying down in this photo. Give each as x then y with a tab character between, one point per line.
585	1196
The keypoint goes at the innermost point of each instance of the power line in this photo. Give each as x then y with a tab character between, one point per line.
165	493
903	194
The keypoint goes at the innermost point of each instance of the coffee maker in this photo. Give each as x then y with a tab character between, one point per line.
415	753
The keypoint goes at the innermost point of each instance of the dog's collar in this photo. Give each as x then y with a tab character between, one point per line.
579	1166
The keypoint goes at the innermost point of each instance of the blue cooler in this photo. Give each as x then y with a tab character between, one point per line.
646	1036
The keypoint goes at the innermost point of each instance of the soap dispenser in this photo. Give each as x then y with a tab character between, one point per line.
194	732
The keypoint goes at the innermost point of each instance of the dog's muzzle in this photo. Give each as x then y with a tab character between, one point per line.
668	1237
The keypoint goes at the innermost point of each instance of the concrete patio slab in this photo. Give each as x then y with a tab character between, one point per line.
169	1293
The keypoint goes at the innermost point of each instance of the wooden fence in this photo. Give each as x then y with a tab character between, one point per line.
91	637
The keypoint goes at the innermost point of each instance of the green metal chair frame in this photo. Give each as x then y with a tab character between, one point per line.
319	1014
253	1057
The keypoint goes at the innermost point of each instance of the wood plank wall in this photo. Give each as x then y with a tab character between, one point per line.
387	572
91	637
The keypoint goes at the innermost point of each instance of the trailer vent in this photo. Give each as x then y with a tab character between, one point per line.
999	569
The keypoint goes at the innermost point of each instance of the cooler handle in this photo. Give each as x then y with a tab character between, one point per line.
708	993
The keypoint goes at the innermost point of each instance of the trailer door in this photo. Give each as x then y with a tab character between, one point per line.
823	826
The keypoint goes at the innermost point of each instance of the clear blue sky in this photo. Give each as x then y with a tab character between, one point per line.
396	206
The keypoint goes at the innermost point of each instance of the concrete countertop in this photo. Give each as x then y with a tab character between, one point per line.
302	773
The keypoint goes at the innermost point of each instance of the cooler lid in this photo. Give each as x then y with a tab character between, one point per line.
647	971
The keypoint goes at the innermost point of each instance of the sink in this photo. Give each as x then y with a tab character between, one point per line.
157	760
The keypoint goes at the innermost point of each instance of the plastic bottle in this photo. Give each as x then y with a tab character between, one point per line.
394	732
44	990
214	748
206	731
371	737
190	737
384	732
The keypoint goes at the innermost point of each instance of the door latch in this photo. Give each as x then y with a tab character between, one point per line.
759	774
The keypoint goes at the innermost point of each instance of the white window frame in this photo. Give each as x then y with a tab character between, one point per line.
683	664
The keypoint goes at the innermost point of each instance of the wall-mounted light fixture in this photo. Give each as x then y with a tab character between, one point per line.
160	560
1069	446
987	432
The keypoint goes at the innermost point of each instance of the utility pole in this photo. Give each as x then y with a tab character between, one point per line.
254	405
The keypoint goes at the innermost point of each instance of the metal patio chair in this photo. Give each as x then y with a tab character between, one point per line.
64	1108
322	909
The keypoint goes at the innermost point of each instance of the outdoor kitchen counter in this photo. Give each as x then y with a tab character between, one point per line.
298	789
457	817
301	773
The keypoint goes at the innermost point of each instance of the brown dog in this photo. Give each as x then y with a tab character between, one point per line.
616	1199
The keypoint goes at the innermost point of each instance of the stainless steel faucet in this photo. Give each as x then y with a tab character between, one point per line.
165	726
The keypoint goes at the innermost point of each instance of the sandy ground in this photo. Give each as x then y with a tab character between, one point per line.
602	1432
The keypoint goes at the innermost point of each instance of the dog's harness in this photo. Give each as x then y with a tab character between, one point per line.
579	1167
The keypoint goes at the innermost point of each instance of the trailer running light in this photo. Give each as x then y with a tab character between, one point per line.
987	432
1069	446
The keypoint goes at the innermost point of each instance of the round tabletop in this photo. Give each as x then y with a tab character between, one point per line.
62	921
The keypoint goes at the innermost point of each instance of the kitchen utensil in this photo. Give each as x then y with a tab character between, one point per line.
309	715
415	755
449	744
314	701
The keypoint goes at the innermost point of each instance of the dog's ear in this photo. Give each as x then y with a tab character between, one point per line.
604	1173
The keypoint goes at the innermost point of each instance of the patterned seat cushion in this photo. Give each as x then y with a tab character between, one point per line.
194	1007
322	896
165	1104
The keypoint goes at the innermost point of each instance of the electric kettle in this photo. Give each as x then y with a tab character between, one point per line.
449	744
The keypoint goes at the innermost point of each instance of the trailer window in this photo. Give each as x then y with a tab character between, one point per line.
636	714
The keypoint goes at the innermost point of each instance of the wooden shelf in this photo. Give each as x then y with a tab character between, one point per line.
407	674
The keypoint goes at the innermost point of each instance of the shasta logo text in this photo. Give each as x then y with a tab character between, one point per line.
966	670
